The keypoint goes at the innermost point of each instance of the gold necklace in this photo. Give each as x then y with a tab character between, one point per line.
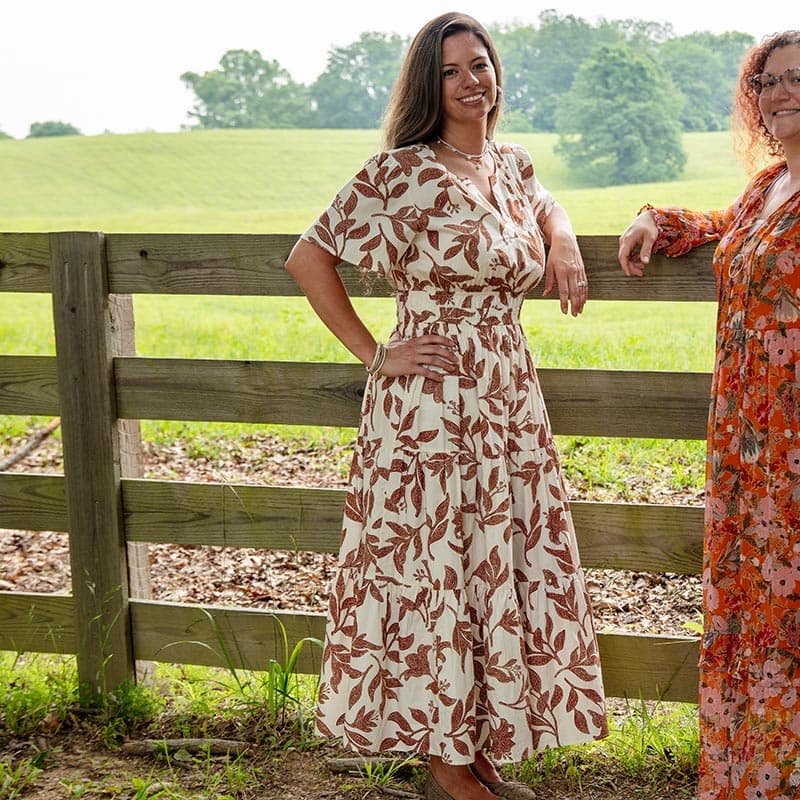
475	160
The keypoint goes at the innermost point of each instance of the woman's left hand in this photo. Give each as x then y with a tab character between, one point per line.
564	266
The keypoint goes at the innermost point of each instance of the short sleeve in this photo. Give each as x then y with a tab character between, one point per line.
541	200
371	221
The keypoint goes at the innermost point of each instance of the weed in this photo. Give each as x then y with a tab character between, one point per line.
15	779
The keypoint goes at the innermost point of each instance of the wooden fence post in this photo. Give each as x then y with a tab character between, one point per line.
85	333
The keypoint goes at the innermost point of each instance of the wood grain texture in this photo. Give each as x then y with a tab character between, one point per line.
24	262
84	330
669	405
29	385
37	623
252	264
32	502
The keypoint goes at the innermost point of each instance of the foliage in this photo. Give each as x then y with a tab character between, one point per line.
539	66
618	123
52	128
4	135
354	89
704	67
247	92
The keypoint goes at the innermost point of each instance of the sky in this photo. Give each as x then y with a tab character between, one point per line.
115	65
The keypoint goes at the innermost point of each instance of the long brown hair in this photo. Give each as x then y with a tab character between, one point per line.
752	135
414	113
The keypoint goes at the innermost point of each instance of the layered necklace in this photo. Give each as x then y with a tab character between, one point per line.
475	160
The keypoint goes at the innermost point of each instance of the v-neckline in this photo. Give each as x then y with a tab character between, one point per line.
469	186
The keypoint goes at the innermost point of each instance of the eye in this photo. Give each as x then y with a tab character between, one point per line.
768	81
448	73
794	76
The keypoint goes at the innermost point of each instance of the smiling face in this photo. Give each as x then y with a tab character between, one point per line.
469	82
780	107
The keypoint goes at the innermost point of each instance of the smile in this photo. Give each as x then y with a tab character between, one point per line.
473	98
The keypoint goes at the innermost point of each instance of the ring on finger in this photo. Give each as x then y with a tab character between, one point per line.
580	284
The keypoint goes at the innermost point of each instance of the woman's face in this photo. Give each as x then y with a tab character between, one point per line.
780	104
469	83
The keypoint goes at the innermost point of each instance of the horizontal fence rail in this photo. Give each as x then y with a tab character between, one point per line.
95	372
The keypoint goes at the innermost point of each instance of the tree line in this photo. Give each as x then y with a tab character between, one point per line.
619	93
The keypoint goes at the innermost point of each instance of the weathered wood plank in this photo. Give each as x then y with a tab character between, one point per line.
32	502
218	264
253	264
650	667
28	385
636	536
584	402
84	331
233	515
37	623
645	537
24	262
222	636
647	404
255	391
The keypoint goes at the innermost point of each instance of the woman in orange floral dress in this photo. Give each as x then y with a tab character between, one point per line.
750	652
460	626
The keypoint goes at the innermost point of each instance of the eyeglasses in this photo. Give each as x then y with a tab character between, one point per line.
765	82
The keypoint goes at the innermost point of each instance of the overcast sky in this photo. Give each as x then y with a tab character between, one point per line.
115	65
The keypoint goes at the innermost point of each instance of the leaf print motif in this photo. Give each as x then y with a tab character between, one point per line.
457	545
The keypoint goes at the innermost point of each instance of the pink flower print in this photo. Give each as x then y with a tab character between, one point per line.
793	460
783	581
781	347
789	698
768	776
785	262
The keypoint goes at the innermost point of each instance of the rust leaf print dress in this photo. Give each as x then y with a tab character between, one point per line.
459	619
750	654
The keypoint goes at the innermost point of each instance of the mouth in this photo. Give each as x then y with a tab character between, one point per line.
785	112
472	99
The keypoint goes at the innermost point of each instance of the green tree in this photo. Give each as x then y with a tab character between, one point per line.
354	89
705	68
52	128
619	121
247	92
4	135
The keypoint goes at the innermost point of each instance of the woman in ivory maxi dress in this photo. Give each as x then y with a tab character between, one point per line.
460	626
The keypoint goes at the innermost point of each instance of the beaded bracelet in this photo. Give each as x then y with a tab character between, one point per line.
377	362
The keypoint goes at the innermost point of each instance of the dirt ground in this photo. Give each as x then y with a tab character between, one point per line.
76	763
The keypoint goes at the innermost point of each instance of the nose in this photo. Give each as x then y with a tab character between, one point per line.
780	86
470	78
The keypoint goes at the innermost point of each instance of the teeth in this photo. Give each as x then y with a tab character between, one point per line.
471	98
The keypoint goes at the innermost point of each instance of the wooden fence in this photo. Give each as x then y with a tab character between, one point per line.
101	390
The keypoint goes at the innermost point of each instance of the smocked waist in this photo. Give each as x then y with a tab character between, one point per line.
472	308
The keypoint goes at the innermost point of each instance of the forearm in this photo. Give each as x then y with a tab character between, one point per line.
314	270
557	225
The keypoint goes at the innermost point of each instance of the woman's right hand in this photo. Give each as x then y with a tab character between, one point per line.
429	355
636	244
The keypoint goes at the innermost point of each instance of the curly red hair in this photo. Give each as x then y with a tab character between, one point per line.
752	134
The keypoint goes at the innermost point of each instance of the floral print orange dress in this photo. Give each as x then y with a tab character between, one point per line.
459	619
750	653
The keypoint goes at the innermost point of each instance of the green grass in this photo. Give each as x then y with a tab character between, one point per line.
653	745
277	181
253	181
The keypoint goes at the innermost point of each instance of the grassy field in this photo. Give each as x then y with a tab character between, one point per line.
276	182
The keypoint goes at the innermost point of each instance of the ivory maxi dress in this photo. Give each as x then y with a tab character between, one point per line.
750	653
459	619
